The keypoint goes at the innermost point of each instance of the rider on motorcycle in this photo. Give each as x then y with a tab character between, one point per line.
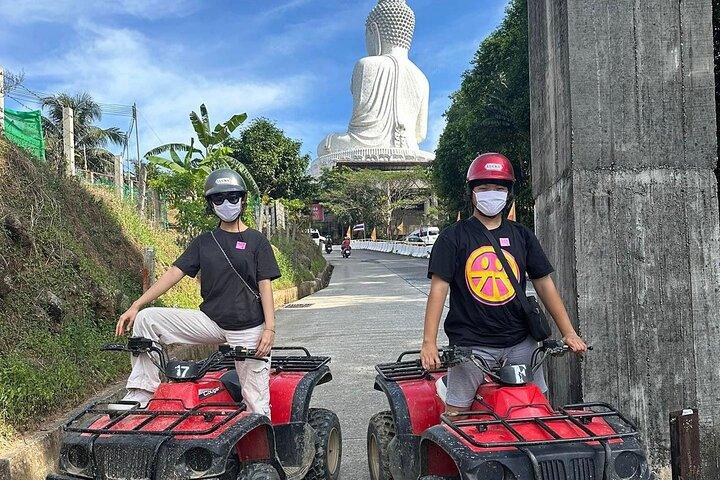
345	243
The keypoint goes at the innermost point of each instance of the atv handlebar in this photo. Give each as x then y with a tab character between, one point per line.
548	348
181	370
139	345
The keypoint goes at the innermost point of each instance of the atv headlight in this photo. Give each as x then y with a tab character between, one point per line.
198	460
494	470
75	459
629	465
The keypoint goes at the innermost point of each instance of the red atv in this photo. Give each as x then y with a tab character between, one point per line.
510	433
196	425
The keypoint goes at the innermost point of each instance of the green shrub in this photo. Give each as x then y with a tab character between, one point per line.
299	259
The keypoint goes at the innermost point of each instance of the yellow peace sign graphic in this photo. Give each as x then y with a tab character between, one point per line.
487	279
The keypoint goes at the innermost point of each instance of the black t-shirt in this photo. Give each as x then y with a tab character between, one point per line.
483	307
222	291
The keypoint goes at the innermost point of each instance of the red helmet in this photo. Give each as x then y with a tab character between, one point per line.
491	166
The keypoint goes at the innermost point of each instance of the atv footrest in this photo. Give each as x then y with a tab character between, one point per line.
203	419
578	416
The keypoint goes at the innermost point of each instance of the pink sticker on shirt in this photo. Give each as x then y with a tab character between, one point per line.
240	245
504	242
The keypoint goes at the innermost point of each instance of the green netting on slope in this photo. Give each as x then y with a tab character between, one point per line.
24	129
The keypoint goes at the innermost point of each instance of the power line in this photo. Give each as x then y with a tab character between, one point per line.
150	126
18	101
114	109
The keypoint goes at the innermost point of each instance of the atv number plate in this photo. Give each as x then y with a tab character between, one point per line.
179	370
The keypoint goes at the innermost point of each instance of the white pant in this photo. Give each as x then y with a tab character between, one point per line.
192	327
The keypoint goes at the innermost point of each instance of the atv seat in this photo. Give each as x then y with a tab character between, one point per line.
232	384
441	388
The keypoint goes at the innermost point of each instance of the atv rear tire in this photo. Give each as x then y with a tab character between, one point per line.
381	431
328	447
258	471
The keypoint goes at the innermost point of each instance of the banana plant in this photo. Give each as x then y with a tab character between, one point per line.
213	154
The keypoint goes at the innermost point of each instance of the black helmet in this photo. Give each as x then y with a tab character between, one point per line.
224	180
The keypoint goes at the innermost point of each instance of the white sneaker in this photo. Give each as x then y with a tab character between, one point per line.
133	395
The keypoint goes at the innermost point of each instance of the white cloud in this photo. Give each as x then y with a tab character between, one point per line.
283	8
67	11
122	66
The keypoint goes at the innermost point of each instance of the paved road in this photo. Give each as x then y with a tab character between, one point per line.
371	311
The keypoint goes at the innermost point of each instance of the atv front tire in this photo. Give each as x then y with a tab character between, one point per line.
258	471
381	431
328	447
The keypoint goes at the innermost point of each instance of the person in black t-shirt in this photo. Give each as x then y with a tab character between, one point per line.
237	266
484	311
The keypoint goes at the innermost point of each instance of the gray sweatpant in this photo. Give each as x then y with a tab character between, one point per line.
464	379
192	327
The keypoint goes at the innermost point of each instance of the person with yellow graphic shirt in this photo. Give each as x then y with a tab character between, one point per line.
485	313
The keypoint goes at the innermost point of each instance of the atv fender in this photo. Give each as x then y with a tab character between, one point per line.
426	405
436	459
404	448
398	405
252	438
291	394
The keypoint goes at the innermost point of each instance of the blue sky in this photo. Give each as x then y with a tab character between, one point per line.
287	60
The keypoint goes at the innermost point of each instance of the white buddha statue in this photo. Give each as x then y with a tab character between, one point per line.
390	93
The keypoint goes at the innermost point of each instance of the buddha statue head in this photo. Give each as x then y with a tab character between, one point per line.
391	24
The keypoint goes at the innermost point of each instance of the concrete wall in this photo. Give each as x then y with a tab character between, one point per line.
624	148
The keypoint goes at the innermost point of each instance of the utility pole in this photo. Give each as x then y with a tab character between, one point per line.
2	100
140	169
68	125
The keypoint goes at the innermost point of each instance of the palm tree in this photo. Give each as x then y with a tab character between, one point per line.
91	141
213	154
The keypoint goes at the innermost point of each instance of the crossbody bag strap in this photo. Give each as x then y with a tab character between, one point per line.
255	294
519	292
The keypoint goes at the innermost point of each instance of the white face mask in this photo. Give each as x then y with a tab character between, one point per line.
491	202
227	211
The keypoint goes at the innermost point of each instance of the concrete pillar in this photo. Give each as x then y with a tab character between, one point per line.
142	189
623	152
68	126
148	272
2	100
118	176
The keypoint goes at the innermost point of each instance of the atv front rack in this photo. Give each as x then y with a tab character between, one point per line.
461	422
209	412
406	369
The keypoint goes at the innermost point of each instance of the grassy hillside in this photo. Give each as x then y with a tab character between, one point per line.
66	269
70	262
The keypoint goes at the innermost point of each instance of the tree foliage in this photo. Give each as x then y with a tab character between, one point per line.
489	113
275	160
91	141
182	179
371	197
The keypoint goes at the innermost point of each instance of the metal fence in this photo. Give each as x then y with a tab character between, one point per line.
155	208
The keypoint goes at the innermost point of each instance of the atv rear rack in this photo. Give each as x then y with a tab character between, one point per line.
460	421
285	363
208	411
406	369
